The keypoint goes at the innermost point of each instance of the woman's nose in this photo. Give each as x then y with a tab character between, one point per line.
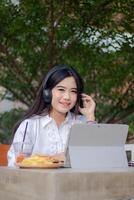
67	95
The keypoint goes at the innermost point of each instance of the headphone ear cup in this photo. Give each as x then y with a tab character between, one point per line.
47	96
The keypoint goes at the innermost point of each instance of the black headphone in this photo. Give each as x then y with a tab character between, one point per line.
47	93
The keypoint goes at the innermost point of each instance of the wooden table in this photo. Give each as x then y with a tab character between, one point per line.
66	184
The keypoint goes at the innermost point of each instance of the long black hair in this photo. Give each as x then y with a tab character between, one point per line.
55	75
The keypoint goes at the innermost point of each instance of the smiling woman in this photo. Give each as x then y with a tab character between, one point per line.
56	108
64	99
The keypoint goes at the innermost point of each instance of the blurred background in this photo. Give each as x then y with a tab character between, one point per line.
94	36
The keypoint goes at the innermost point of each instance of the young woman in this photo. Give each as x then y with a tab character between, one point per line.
60	103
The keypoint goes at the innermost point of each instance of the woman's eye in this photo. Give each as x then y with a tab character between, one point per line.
60	89
74	91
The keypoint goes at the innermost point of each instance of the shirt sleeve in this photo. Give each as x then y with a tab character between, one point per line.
11	157
83	120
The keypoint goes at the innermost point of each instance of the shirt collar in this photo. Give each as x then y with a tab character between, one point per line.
47	119
68	117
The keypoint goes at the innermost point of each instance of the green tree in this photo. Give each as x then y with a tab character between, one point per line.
95	36
7	121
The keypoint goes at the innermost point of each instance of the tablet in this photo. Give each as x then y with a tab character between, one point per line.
96	146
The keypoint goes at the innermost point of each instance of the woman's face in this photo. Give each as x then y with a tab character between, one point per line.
64	96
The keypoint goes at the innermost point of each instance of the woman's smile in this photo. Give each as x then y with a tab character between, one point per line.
65	104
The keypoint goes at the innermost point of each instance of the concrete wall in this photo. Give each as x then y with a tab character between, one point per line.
66	184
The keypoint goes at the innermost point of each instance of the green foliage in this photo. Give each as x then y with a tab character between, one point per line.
94	36
7	121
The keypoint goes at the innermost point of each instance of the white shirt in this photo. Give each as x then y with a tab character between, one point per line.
43	133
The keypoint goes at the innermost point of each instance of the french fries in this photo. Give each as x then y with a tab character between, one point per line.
41	160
